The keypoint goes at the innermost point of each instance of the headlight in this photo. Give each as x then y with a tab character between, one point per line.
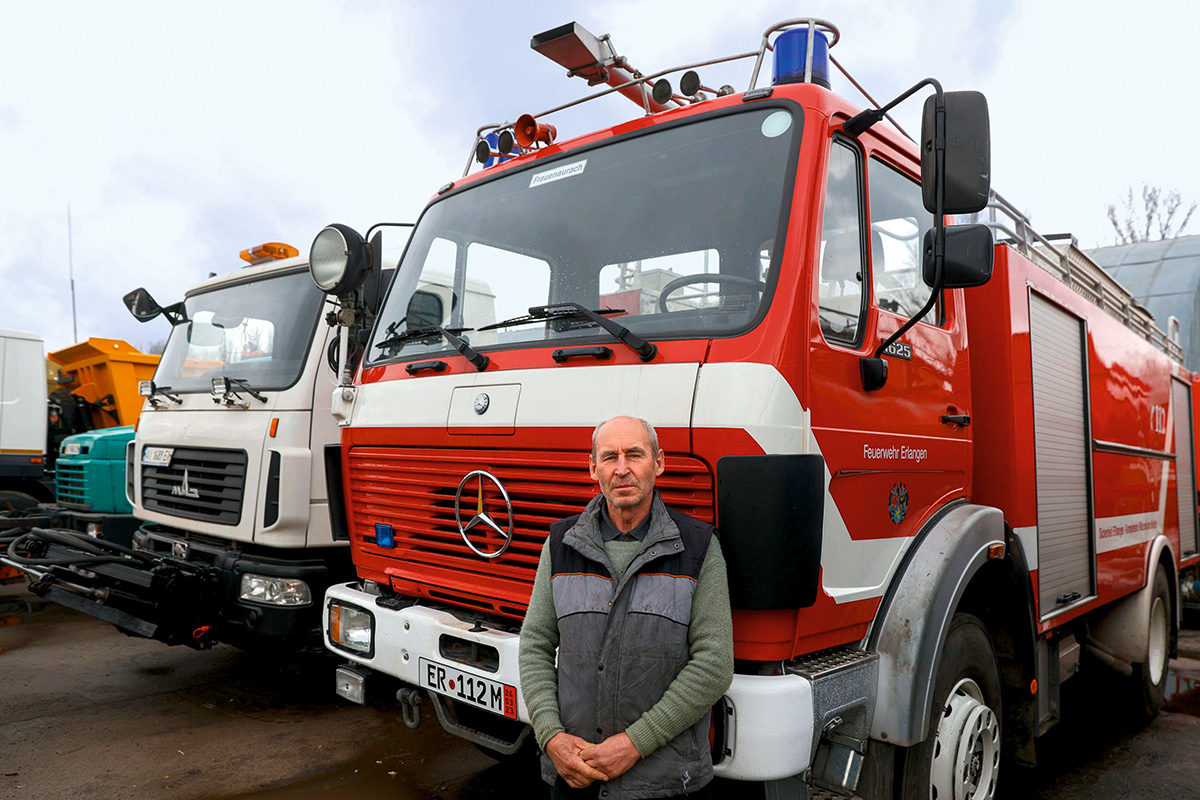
351	628
338	259
275	591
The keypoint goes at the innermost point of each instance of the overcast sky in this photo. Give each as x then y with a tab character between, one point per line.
182	134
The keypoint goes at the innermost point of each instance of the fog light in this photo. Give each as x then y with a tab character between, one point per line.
352	685
351	628
94	529
275	591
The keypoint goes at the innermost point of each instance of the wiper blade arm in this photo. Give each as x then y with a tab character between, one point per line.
165	391
476	358
645	350
244	385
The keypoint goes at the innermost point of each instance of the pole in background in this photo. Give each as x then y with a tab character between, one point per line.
71	268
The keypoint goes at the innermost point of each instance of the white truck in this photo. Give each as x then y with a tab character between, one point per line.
22	418
226	471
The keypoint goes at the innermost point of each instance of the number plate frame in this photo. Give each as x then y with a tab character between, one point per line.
451	681
157	456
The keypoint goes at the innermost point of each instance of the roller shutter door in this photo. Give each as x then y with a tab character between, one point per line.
1063	452
1185	471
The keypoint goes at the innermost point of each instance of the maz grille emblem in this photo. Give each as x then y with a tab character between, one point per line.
183	490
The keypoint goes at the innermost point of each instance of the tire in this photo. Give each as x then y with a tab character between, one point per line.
1150	678
960	757
16	501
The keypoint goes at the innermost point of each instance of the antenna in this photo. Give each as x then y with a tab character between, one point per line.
71	271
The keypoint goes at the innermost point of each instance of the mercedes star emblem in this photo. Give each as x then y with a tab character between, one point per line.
482	518
482	401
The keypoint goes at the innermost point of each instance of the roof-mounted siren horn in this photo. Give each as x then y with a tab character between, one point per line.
802	54
591	57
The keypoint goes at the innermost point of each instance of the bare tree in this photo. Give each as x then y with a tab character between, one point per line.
156	347
1157	215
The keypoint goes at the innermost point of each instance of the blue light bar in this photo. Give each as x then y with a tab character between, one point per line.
791	50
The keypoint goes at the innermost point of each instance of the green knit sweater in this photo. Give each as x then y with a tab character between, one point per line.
689	697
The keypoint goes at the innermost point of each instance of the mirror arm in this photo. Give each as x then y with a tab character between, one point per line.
864	120
939	223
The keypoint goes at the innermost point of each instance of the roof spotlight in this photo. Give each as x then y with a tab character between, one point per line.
339	259
689	84
662	91
505	142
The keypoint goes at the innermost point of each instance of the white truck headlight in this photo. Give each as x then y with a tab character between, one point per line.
275	591
351	628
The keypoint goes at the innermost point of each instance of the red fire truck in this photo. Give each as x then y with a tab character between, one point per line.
948	474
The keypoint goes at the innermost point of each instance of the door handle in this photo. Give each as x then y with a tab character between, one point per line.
962	420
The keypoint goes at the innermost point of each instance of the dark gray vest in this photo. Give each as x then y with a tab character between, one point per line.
622	643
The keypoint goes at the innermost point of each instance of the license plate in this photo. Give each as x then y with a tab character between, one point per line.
157	456
498	698
72	449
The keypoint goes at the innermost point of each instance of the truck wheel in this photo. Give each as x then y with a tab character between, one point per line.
11	500
960	757
1151	677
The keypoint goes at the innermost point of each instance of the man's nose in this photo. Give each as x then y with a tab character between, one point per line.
622	464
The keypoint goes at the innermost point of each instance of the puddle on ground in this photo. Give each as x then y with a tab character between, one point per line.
1182	693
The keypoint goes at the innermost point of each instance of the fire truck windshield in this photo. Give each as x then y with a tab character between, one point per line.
257	331
678	230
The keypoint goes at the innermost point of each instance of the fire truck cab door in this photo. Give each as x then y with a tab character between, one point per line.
892	457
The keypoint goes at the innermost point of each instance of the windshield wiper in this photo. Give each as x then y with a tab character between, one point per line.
479	360
645	350
165	391
244	385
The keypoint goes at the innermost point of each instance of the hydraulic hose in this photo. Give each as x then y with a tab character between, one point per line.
97	551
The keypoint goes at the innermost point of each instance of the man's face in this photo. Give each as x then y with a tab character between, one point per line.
623	465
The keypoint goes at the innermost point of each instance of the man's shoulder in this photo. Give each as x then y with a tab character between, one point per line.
560	528
689	525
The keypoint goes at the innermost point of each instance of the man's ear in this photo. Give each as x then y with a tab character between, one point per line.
660	463
592	468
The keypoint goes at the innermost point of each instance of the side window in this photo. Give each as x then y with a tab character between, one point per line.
840	276
898	224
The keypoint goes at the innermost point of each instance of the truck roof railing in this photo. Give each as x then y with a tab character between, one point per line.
616	71
1059	255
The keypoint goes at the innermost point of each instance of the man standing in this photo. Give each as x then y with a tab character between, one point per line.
634	597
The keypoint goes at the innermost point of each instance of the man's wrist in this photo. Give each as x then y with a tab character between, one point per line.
544	737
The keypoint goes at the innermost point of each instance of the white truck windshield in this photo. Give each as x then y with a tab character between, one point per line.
258	331
677	231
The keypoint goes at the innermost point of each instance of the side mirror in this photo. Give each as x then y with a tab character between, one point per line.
141	305
968	172
967	259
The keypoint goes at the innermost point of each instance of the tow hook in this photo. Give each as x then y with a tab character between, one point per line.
410	706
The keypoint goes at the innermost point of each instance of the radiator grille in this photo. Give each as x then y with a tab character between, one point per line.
216	481
70	484
413	490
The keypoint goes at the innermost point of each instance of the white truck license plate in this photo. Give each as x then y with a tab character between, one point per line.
157	456
498	698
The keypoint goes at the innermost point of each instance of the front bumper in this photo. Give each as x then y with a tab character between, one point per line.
769	728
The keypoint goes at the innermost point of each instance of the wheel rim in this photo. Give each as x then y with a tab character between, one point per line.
966	752
1157	655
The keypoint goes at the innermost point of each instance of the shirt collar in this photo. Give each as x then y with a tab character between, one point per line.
609	532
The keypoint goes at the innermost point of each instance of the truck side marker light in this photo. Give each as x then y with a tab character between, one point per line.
274	427
1033	686
996	551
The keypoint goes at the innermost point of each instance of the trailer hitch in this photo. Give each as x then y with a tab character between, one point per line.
410	706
